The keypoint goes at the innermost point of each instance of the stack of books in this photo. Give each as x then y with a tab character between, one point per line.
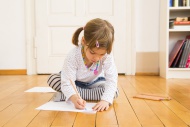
180	55
179	3
181	23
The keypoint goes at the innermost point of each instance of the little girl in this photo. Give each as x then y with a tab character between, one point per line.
91	65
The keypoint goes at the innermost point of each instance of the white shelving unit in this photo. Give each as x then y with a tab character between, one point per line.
168	38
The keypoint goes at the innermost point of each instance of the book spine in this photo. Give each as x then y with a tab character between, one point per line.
186	54
175	51
171	3
181	22
180	3
188	62
187	3
184	2
181	27
183	19
188	37
180	56
183	55
175	3
176	61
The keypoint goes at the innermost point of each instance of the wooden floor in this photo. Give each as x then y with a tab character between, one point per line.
17	108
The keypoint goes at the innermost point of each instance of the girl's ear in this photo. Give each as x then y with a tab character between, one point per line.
83	41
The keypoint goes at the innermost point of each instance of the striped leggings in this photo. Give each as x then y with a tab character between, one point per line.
54	81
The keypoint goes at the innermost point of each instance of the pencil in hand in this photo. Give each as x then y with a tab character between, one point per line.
79	97
74	86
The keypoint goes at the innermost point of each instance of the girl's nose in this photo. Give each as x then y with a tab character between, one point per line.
95	59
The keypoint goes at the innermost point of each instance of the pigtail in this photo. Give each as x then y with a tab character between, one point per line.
75	39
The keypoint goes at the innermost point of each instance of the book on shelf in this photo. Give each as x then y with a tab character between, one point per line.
175	51
185	55
181	26
171	3
176	61
182	3
182	59
181	22
188	3
188	62
179	3
188	37
182	19
188	57
175	3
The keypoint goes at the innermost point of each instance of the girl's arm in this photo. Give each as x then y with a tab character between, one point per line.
111	77
69	73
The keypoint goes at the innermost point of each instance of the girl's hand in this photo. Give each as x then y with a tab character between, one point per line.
101	106
78	102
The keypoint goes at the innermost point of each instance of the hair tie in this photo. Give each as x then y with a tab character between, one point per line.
97	44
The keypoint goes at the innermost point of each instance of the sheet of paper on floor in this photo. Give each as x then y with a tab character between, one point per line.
65	106
41	89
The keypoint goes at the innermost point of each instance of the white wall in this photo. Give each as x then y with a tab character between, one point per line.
146	36
146	25
12	35
12	32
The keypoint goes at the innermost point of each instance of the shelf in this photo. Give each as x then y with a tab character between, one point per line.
179	30
169	37
185	74
179	69
178	8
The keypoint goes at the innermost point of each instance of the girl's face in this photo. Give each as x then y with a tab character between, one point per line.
95	54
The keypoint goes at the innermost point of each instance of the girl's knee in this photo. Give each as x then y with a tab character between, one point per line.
54	79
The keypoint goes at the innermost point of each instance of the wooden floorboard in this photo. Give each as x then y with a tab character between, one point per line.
17	108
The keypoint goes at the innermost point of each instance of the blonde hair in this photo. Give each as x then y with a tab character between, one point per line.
96	30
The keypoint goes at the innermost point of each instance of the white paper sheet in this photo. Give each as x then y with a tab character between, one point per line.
66	106
41	89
